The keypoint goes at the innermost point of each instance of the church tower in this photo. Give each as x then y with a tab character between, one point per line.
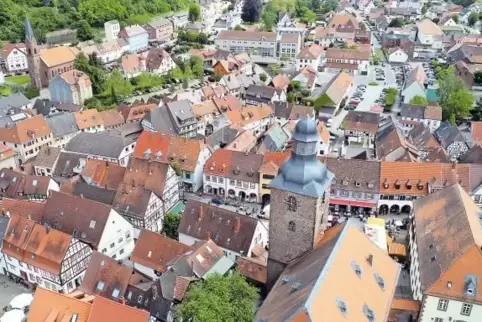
299	201
33	55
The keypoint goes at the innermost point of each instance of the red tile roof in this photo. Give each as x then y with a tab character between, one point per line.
156	251
105	310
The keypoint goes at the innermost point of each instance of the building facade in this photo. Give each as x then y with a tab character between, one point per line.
72	87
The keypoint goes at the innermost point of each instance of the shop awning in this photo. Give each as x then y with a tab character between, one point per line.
354	203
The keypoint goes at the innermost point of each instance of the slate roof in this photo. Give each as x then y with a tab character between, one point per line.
73	215
46	157
265	92
473	155
222	137
4	220
102	195
448	134
227	229
160	120
411	110
16	100
106	144
62	124
66	163
422	138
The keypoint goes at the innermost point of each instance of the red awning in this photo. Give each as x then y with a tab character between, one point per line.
339	201
354	203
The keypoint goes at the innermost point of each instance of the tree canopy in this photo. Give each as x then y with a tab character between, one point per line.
418	100
170	225
396	23
219	298
251	10
194	12
46	16
454	98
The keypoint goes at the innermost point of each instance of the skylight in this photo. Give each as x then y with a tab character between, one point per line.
100	286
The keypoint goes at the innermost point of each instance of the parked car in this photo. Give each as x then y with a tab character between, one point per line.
217	201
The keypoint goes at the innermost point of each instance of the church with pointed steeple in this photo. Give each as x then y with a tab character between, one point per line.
299	201
45	63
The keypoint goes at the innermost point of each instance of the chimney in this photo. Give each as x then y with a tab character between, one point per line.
208	235
82	196
237	224
123	300
201	212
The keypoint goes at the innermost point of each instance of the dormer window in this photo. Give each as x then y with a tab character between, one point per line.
386	184
357	183
345	182
370	185
397	185
420	186
409	185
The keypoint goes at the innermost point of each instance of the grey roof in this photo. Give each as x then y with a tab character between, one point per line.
62	124
28	30
3	225
46	157
412	110
447	134
84	190
17	100
160	120
67	161
222	137
304	174
106	144
43	106
181	113
245	167
265	92
282	109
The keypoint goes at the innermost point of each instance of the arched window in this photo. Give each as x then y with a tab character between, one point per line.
292	204
292	226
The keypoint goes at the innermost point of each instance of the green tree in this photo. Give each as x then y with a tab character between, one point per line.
301	7
197	67
187	72
238	27
31	92
473	18
263	77
455	18
291	97
176	73
90	66
185	83
418	100
122	86
219	298
113	96
396	23
460	104
251	10
170	225
194	12
477	111
309	16
84	30
362	26
269	18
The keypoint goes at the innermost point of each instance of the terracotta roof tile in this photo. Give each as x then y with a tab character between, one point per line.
448	236
28	209
476	128
74	77
219	163
58	55
312	285
102	308
227	229
205	108
276	157
429	28
361	53
73	215
185	152
88	118
281	81
154	144
361	121
26	130
111	118
180	287
52	306
252	270
249	114
17	234
311	52
156	251
104	174
115	276
135	111
228	102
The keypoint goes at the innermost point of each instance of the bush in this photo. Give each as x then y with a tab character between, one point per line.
391	97
31	92
373	84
